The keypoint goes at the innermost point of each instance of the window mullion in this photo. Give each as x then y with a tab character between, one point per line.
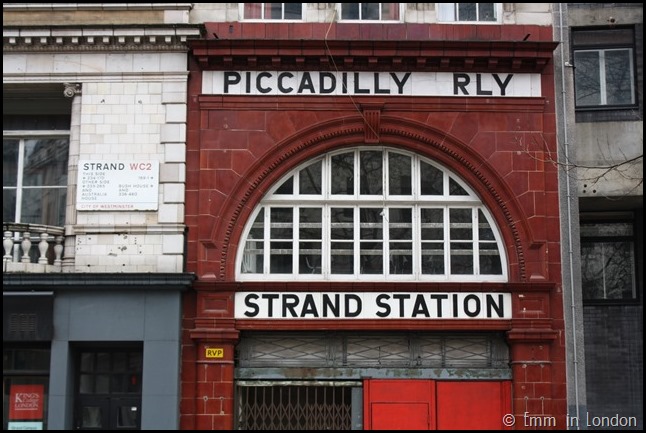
326	240
356	235
385	239
416	237
476	243
602	77
19	181
447	242
267	244
296	235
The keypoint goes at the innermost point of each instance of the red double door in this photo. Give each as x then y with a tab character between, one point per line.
391	404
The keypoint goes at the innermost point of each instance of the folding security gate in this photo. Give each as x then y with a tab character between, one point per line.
295	405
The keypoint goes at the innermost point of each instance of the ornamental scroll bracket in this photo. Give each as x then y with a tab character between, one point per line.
71	89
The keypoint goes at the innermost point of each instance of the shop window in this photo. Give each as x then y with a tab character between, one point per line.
272	11
469	12
371	215
25	381
370	11
608	260
604	70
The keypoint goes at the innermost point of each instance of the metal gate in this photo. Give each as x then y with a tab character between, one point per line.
295	405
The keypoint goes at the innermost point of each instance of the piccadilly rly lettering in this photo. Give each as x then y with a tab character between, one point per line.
355	83
378	305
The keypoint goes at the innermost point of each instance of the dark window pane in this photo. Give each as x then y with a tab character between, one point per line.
490	263
287	187
399	174
485	233
46	162
274	11
44	206
586	78
342	223
293	11
431	179
432	258
390	11
282	223
342	176
466	11
350	11
461	258
369	11
342	257
455	188
619	89
372	257
608	270
102	384
432	221
310	179
91	417
127	416
281	258
9	205
460	224
310	223
9	162
371	166
486	12
371	223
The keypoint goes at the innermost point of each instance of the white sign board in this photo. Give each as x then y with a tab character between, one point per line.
25	425
323	83
117	185
372	305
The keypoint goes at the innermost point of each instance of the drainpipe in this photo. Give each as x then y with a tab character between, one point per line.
568	215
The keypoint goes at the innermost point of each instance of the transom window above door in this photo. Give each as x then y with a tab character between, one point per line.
371	214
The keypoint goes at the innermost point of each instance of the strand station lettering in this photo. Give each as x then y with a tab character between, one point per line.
297	305
371	83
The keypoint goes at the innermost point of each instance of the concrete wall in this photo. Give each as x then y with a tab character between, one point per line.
611	141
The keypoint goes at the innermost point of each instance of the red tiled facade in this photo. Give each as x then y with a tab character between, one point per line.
239	146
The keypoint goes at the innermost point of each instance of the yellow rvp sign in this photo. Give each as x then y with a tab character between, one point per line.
214	352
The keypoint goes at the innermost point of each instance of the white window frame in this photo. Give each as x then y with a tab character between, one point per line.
415	201
339	11
447	13
262	12
603	90
22	136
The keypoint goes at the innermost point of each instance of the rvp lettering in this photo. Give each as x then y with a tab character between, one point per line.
464	85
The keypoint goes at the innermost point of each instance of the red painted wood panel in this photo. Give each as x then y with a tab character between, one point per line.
463	405
399	404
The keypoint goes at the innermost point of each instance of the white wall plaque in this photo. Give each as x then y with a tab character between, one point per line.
117	185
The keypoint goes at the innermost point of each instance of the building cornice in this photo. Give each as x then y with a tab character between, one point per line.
358	55
93	281
99	38
94	6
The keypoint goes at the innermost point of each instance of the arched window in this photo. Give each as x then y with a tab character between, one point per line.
371	214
